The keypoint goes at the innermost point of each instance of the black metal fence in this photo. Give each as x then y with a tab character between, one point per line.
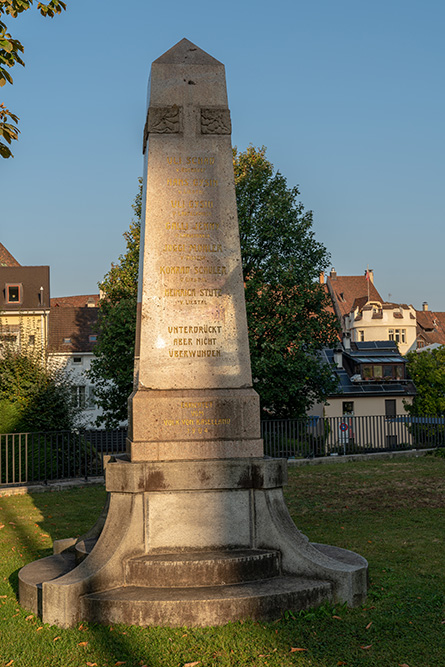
42	457
27	458
336	436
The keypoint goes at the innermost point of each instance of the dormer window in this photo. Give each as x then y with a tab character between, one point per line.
14	293
382	372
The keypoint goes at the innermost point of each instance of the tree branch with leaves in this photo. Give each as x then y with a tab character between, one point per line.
10	55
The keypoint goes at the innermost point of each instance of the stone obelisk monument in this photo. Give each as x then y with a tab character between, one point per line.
194	396
196	531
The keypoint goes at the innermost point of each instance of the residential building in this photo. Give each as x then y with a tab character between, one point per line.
365	316
430	327
72	337
24	304
372	379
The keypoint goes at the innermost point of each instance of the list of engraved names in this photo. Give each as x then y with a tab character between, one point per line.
192	260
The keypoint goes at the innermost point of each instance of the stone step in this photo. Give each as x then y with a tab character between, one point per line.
204	606
209	568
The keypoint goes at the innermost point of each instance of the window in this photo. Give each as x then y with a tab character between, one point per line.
8	338
67	340
31	340
383	372
78	395
361	335
77	360
390	407
398	335
420	343
13	293
92	338
348	408
378	372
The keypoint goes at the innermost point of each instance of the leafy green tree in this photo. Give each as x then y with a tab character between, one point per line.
287	309
33	396
112	367
288	316
10	55
427	370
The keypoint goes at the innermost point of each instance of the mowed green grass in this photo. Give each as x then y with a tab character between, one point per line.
392	512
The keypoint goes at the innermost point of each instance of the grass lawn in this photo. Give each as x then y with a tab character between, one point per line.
392	512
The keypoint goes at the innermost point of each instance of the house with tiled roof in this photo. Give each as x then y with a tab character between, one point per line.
430	327
24	304
365	316
372	391
72	337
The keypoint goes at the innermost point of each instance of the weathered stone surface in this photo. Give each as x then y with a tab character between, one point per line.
125	477
262	600
193	387
205	568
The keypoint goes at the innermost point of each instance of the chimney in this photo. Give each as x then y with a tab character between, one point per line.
347	341
321	277
425	306
333	274
338	357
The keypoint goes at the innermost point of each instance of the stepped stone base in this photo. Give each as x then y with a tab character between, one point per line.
190	543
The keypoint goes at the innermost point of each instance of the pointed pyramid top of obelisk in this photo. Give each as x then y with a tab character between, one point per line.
186	53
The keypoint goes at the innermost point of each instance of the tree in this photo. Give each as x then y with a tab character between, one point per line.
287	309
112	367
33	396
427	370
10	50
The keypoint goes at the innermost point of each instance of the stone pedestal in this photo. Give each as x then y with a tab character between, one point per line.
191	543
196	531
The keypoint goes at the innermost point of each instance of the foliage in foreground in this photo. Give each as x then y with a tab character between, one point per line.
427	370
287	314
112	366
10	50
391	512
33	396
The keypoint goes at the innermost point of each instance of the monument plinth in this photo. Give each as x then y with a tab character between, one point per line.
196	531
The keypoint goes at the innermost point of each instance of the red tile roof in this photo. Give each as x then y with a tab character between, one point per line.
431	326
75	301
70	329
6	259
348	292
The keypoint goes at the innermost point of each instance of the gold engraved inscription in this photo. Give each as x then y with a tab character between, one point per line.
189	160
208	269
198	416
192	247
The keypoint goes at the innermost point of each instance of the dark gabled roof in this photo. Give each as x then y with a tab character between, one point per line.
6	259
76	301
369	352
375	351
70	329
31	279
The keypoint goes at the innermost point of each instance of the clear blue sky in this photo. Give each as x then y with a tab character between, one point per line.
348	97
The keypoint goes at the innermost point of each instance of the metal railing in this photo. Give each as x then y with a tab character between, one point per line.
43	457
27	458
334	436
